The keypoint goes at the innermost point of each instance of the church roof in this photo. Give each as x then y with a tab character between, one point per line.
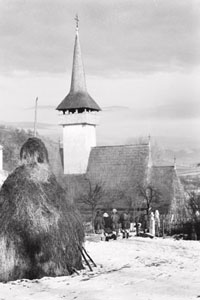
119	170
78	100
118	166
166	180
78	96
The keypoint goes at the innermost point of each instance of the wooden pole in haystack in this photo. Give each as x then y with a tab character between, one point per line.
84	257
88	256
35	120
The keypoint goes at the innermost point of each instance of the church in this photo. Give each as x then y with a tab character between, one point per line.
115	171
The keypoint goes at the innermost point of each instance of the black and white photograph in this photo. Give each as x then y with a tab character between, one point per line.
99	149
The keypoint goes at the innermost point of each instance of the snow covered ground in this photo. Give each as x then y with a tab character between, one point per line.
133	269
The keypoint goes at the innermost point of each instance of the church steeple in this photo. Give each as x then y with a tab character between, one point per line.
79	117
78	83
78	97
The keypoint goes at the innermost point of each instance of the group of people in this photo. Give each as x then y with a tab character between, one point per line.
113	224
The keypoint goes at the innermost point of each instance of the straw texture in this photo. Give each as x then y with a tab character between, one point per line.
39	230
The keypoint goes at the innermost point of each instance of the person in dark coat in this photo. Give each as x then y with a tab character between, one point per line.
115	221
98	222
108	232
125	224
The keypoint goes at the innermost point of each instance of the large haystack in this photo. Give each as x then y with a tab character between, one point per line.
39	230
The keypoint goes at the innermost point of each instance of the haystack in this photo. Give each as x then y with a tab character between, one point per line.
40	231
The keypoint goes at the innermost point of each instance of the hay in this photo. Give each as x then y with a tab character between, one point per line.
40	232
33	151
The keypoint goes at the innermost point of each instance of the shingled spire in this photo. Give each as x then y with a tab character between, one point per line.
78	97
78	83
79	117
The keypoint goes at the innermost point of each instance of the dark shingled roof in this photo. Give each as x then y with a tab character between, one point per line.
166	180
117	169
118	166
78	97
78	100
120	169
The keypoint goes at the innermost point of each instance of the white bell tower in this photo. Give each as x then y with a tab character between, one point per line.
79	117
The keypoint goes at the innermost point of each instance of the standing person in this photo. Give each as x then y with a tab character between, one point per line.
115	221
131	222
157	223
152	224
125	224
108	232
98	222
137	226
145	223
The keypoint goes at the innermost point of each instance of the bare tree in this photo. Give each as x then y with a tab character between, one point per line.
193	205
150	195
132	201
192	195
92	197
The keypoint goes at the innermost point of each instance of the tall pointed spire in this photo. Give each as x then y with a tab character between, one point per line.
78	97
78	83
79	117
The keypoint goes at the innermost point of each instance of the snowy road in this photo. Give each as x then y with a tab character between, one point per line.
133	269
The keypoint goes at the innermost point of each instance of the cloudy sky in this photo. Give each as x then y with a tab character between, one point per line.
141	57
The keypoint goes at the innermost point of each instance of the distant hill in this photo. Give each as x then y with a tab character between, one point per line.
119	125
164	149
12	139
189	157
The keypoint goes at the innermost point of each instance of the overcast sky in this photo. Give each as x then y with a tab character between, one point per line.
141	59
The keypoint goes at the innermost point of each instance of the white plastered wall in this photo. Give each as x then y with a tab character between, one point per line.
77	142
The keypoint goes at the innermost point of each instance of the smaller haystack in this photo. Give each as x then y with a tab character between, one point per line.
40	231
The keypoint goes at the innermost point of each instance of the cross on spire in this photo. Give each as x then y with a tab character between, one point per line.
77	20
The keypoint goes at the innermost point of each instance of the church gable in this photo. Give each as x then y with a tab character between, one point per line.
166	180
118	166
118	169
